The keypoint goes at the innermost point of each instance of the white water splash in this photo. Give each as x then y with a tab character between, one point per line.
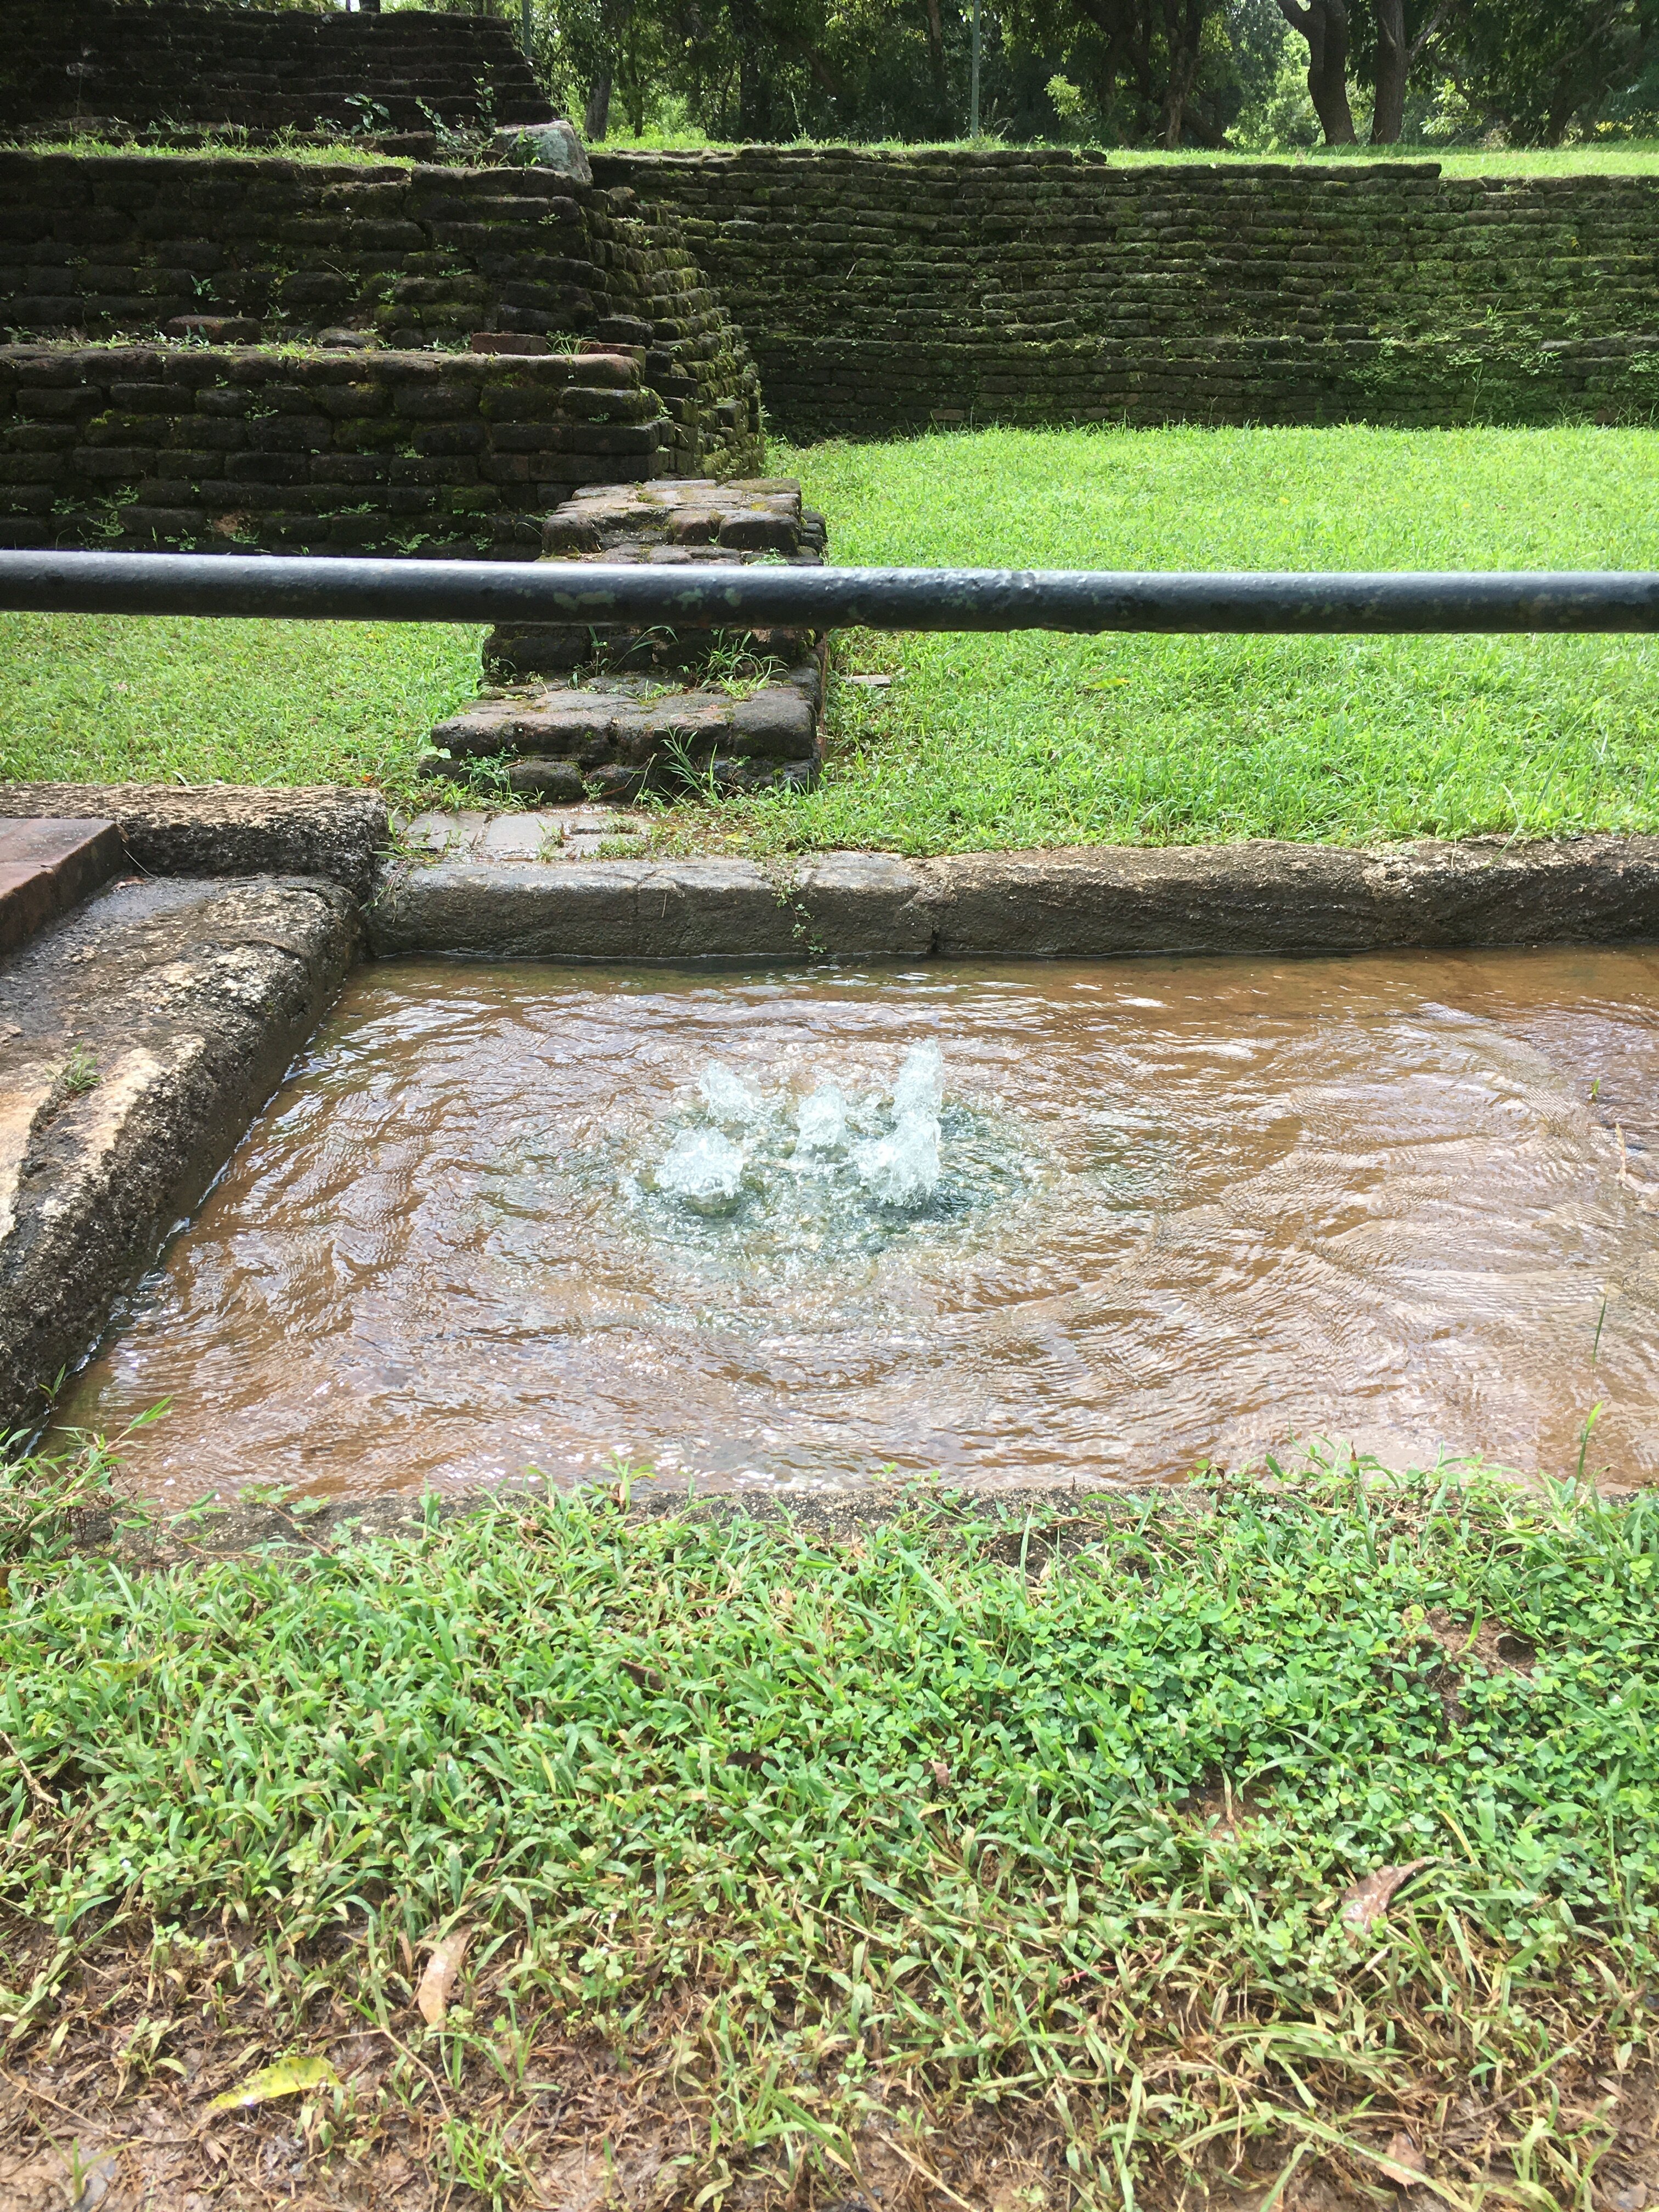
866	1157
821	1120
902	1169
703	1169
728	1097
920	1085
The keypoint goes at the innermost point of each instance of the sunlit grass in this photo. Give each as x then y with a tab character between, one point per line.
310	150
1603	157
1030	739
149	699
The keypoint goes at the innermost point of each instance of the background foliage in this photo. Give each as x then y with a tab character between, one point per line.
1115	72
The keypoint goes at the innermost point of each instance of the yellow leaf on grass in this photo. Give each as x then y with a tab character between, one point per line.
432	1995
1367	1901
288	2077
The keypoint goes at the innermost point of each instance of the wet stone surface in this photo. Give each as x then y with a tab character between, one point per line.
138	1038
551	833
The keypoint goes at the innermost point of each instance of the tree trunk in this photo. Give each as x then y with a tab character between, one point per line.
596	116
752	102
936	55
1324	24
1183	30
1127	31
754	81
1389	116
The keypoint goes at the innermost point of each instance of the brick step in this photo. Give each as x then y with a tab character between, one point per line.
45	866
614	737
727	710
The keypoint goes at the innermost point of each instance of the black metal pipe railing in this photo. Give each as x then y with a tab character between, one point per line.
766	595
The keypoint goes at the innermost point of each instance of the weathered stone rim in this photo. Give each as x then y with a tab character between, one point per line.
1095	902
1107	902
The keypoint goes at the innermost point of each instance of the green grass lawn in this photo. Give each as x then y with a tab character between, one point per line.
1028	1844
1601	157
1606	157
1034	739
122	699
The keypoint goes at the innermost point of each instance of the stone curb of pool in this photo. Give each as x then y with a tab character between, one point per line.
140	1034
535	884
1063	904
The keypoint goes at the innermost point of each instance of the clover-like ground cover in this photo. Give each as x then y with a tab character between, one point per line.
1000	1859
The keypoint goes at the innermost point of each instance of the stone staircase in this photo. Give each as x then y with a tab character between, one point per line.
263	70
637	710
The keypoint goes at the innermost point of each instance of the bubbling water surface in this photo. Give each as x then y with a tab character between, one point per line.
1021	1223
804	1160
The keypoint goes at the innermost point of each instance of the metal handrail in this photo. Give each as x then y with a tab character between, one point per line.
695	596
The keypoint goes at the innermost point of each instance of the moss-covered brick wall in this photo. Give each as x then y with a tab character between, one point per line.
409	257
882	292
220	448
264	69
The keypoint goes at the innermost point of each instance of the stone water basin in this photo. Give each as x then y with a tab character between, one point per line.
1185	1211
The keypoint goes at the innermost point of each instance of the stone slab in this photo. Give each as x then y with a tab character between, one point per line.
588	910
1279	897
46	866
552	833
229	830
138	1036
1098	902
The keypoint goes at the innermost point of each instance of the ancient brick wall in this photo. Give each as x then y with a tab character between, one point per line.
215	448
278	251
265	69
880	292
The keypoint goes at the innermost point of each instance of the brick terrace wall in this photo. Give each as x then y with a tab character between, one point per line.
881	292
413	257
264	68
222	449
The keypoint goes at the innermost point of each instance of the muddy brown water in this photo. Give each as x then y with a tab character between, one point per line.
1188	1210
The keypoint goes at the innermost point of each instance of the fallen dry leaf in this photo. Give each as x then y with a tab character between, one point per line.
441	1968
35	2184
288	2077
1368	1900
1402	2159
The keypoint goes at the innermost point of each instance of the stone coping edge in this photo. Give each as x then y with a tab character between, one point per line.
190	998
46	867
1064	904
228	829
1072	903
